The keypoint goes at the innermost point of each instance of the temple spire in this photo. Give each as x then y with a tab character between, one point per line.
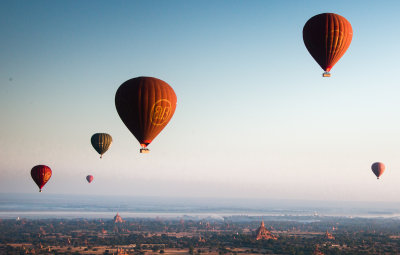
263	233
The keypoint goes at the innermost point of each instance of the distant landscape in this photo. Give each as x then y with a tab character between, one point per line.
77	228
70	224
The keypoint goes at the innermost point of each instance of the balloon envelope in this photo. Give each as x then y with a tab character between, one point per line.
145	105
378	168
327	36
101	142
89	178
41	175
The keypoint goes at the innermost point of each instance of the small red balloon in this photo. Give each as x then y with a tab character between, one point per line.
378	168
89	178
41	175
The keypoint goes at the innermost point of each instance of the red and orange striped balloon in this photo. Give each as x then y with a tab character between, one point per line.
41	175
145	105
327	36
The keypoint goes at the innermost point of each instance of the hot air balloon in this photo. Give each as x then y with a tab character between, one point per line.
89	178
145	105
327	36
101	142
41	175
378	168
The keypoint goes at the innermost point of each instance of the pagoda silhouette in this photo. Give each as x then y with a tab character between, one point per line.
262	233
118	219
329	236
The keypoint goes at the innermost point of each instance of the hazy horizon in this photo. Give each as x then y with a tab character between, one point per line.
95	206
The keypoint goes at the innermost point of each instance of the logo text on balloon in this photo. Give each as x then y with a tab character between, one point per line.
160	112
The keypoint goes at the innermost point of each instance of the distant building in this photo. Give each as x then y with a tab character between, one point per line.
262	233
120	252
317	251
118	219
329	236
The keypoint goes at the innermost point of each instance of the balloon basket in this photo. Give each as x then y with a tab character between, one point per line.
326	74
144	150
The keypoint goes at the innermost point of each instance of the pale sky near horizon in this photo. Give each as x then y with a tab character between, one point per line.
254	116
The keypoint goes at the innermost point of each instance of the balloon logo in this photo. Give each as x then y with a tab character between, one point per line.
41	175
327	37
160	112
89	178
101	142
145	105
378	168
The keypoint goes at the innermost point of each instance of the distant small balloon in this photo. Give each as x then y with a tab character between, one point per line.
378	168
41	175
89	178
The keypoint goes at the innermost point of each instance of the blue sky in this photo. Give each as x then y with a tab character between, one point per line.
254	116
